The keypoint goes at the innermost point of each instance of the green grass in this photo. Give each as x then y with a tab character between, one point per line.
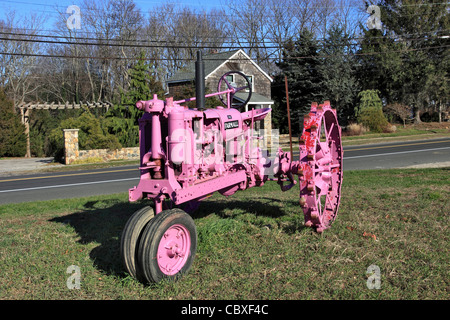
402	134
252	245
391	137
408	131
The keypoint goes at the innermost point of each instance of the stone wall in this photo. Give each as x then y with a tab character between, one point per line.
72	153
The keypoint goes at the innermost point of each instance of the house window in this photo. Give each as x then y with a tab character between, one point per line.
230	78
250	79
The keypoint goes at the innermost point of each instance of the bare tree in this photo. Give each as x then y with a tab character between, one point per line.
349	14
283	26
248	20
128	25
264	26
100	54
116	25
400	110
19	55
178	33
305	13
157	31
102	30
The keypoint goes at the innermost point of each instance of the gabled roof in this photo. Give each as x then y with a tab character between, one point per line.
213	61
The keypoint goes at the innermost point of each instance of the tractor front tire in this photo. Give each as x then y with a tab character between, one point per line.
167	246
131	236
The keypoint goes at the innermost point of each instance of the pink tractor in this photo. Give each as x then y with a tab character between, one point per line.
188	154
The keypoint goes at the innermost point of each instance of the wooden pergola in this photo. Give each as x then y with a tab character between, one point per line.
26	107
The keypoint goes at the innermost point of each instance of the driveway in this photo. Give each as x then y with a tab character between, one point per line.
12	166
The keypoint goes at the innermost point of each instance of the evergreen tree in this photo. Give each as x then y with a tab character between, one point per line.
401	61
437	85
369	111
123	120
421	25
339	73
13	142
380	64
142	85
301	64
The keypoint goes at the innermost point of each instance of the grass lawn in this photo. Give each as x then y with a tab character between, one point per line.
425	130
252	245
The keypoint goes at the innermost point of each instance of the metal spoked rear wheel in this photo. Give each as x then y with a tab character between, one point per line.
321	158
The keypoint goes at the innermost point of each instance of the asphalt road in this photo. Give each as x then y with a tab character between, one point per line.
397	155
61	185
47	186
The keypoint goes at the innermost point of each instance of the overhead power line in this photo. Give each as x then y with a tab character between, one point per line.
427	4
164	44
134	45
212	59
103	41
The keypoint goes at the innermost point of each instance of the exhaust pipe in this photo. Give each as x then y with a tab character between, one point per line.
200	82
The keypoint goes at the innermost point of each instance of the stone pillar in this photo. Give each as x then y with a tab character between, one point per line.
71	151
25	118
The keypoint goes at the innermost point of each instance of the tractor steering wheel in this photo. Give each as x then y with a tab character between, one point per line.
235	88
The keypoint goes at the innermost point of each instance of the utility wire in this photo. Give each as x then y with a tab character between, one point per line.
202	45
186	59
115	44
406	37
253	6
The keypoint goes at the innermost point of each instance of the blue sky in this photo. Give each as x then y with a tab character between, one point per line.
24	8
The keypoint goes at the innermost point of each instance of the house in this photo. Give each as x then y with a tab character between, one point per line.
216	65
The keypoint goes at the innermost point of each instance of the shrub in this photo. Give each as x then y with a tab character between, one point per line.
126	132
90	135
390	129
369	112
355	129
13	142
373	119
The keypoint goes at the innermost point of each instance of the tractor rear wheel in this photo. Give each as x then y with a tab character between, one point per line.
321	159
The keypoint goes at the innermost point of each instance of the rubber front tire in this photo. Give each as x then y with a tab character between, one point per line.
130	239
168	245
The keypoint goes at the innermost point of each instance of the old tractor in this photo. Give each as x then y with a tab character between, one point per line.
186	154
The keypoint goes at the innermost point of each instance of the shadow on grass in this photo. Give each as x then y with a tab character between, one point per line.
103	221
261	207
